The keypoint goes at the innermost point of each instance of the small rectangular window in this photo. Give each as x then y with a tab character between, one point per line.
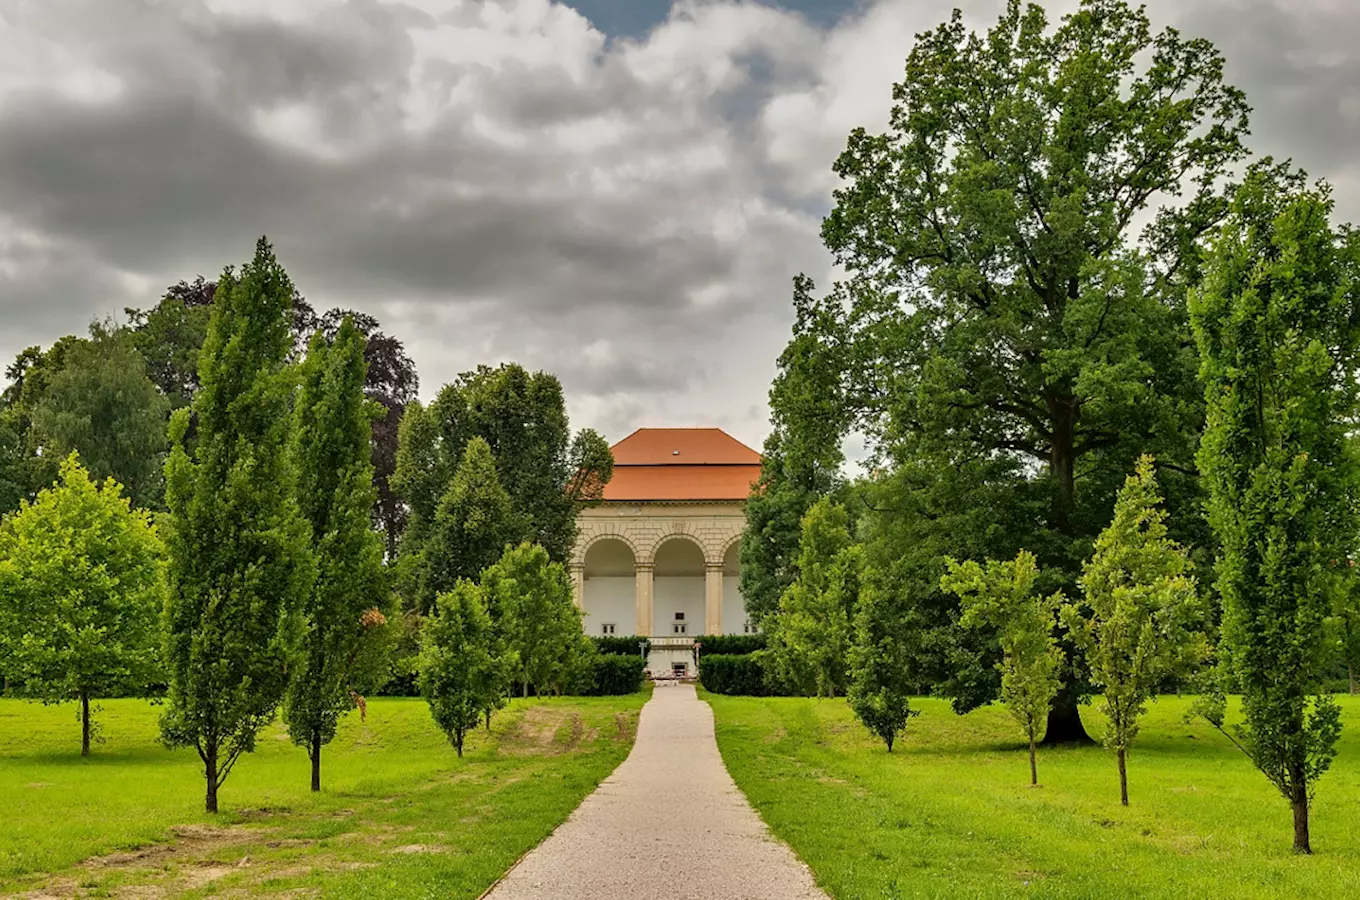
607	629
680	617
748	628
680	629
679	669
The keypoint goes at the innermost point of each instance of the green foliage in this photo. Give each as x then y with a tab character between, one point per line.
463	674
471	526
621	645
810	635
730	644
611	674
169	336
999	310
1142	623
345	612
548	474
1001	597
1277	321
530	598
880	664
239	560
82	582
101	403
740	673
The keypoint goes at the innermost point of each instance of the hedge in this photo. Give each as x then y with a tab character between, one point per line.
730	644
737	673
614	673
620	645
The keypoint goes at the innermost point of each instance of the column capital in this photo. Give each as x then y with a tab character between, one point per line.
713	566
644	565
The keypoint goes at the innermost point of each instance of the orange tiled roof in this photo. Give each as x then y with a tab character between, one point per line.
682	464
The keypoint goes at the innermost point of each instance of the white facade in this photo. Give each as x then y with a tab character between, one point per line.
665	570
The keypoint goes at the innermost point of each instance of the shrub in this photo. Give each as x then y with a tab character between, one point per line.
740	673
620	645
614	673
729	644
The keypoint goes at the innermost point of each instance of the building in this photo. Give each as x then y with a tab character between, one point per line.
659	557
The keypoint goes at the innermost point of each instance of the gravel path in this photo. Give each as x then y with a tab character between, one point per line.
669	822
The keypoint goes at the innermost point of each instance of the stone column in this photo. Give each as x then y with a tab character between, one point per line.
713	599
578	585
643	602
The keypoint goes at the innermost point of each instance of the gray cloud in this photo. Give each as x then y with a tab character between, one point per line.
502	181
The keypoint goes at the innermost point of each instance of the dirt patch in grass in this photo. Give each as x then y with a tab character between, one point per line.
535	733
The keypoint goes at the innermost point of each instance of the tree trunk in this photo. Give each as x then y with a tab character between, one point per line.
1123	778
890	743
210	773
1033	765
1301	841
1064	722
84	723
458	743
526	689
316	760
488	720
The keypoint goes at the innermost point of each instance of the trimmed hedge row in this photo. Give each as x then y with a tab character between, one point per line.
730	644
620	645
737	673
614	673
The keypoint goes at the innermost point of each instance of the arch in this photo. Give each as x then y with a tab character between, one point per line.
608	555
731	557
680	536
583	547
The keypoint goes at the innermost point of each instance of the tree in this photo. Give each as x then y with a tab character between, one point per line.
1002	597
811	634
530	598
100	403
471	527
880	684
548	473
460	676
82	581
239	561
997	303
343	612
1142	625
1277	321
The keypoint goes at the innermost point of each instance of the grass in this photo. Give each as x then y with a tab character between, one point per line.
399	815
950	812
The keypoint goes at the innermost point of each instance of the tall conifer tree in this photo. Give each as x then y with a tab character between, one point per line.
342	615
239	561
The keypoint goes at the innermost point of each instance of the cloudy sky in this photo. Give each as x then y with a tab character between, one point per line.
618	191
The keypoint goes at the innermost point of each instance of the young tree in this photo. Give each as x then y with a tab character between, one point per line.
1142	623
810	635
1277	321
239	561
1002	597
343	619
471	527
530	598
82	582
880	683
999	304
461	675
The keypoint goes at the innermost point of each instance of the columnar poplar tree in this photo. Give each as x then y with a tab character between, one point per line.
461	675
880	684
82	582
1277	321
1002	596
342	614
811	633
239	562
471	526
1142	624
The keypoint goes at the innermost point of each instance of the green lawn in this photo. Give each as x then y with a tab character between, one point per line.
399	814
950	812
